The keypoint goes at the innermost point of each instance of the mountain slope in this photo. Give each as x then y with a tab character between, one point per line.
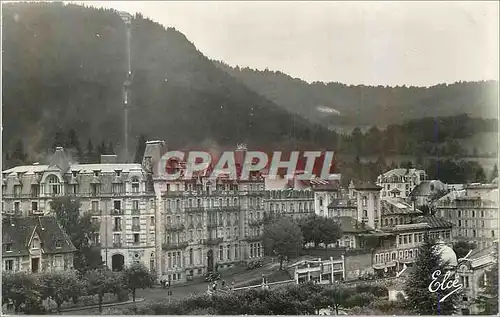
339	104
64	67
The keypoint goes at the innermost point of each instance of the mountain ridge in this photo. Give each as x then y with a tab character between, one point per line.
368	105
64	67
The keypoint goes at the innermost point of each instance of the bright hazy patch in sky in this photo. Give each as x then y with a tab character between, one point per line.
350	42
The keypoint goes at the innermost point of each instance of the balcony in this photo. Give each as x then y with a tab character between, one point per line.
254	238
94	212
136	211
174	227
117	211
174	193
117	228
194	209
211	225
117	244
212	241
136	228
255	222
174	246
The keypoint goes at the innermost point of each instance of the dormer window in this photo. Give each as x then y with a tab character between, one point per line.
17	190
75	173
135	185
58	244
96	173
118	173
35	243
54	185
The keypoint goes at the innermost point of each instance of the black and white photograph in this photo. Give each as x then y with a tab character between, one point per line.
250	157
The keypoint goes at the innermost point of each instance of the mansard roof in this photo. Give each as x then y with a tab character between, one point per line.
18	231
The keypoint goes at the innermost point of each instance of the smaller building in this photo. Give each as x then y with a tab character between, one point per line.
427	191
297	204
400	182
319	271
35	244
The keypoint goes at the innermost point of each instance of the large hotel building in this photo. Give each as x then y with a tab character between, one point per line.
179	229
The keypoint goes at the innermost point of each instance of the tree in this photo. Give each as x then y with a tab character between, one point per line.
80	228
463	247
89	153
141	147
488	299
72	142
20	288
337	296
420	300
59	139
137	276
282	237
494	173
318	230
59	286
19	156
101	281
111	148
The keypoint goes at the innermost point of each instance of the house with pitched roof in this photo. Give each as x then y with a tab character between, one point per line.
34	244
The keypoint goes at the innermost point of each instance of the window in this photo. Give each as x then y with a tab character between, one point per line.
58	244
191	257
95	206
118	224
235	251
35	190
35	244
365	201
228	257
54	185
493	233
8	247
321	201
136	237
34	206
152	221
221	253
117	188
117	205
16	206
482	213
9	265
135	185
400	239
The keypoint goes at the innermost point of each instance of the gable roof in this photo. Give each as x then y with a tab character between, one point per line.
19	231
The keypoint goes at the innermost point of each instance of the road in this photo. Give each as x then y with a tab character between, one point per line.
238	275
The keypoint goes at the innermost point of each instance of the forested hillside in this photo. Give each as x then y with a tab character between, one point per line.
339	104
64	67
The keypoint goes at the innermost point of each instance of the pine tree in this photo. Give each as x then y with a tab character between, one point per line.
110	150
420	300
101	149
141	147
89	152
59	140
494	173
488	299
74	143
19	157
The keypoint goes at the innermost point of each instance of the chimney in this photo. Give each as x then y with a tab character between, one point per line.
109	159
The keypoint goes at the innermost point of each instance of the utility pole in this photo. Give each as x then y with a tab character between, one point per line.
127	19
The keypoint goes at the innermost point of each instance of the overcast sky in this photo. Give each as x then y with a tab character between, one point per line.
376	43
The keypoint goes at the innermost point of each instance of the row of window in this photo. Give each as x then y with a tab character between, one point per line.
471	223
221	219
393	256
305	207
199	203
283	194
475	233
54	187
412	238
136	238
